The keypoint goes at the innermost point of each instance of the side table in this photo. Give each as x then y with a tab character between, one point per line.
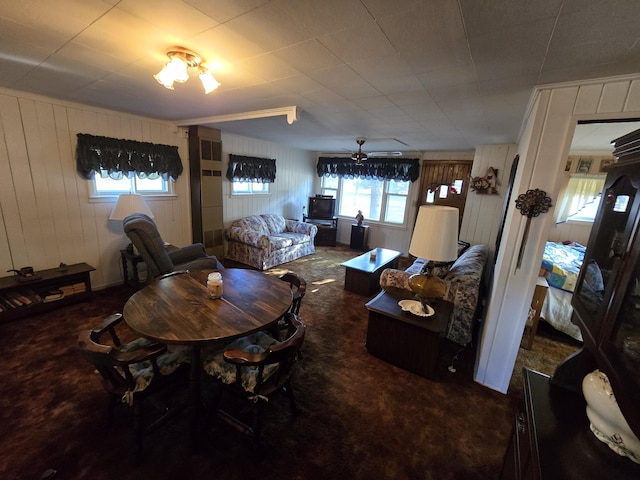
359	237
127	256
402	338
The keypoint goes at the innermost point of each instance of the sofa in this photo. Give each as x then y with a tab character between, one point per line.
264	241
463	288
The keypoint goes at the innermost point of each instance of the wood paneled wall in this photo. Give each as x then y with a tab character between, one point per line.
46	215
295	172
482	212
543	149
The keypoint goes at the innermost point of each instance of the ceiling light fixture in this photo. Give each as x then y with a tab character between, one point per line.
176	70
359	156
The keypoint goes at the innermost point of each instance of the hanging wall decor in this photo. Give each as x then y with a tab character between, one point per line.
531	204
486	184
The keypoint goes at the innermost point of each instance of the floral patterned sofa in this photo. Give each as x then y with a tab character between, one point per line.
464	287
263	241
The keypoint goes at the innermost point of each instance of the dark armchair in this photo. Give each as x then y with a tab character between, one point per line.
144	235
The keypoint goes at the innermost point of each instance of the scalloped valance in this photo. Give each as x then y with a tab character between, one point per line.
403	169
126	158
251	169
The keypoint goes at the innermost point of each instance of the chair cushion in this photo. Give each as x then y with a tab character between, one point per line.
215	365
167	363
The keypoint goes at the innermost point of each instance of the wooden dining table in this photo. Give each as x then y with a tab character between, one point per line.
176	309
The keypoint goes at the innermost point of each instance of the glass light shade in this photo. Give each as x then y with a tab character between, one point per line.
127	204
178	68
165	78
208	81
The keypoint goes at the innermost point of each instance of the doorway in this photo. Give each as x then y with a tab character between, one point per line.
445	182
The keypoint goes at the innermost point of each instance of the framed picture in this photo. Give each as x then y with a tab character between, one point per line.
567	167
604	164
584	165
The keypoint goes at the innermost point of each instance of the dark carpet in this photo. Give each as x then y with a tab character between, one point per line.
360	417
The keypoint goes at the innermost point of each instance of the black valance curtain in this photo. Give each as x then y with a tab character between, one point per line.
251	169
403	169
126	158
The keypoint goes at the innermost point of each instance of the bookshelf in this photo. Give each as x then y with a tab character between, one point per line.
53	287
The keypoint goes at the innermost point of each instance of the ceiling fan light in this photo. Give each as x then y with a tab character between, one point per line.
208	81
359	156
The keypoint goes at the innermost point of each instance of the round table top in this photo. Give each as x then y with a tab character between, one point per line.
176	309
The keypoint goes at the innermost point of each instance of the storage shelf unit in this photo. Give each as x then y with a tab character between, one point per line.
19	299
327	230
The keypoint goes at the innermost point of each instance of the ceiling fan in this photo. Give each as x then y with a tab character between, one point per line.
359	156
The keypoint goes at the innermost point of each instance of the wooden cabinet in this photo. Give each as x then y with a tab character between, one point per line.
205	174
551	438
402	338
359	237
51	288
327	230
606	301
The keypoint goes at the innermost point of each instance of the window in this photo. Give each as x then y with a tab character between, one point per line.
379	200
579	199
249	188
104	185
587	213
443	191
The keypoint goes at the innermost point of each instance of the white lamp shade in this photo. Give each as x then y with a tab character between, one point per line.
127	204
435	236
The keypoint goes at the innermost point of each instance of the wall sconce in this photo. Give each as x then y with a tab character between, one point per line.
176	70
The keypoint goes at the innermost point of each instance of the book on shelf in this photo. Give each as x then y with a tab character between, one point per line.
73	289
51	295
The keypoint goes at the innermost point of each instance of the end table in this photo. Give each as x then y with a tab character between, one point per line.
402	338
127	256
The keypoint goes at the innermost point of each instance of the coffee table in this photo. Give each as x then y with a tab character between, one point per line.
363	272
402	338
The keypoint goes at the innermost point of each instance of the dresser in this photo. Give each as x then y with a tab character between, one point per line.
551	438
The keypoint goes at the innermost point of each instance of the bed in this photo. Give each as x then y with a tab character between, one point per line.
561	264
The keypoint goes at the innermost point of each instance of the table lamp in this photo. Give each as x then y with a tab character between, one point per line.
435	238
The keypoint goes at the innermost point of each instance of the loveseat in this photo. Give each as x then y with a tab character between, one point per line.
263	241
463	288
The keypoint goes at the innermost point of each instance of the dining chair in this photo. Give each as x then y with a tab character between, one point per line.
250	371
298	287
132	372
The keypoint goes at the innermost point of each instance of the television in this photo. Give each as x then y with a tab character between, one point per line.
322	206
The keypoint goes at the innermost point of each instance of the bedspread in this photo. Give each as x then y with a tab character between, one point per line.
561	264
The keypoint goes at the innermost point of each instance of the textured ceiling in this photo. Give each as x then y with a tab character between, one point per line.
407	75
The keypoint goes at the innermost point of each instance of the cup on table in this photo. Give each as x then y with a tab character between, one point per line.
214	285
